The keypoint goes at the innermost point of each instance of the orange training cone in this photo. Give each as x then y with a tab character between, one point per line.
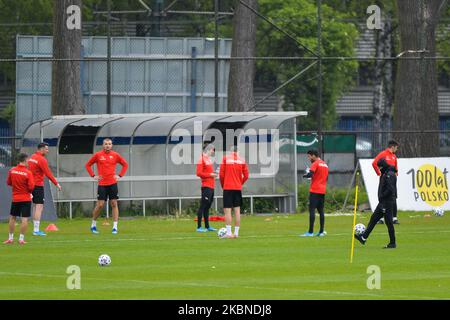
51	227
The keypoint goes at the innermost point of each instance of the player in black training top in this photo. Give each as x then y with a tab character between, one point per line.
387	195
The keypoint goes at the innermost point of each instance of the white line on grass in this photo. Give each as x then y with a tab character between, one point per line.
196	284
199	238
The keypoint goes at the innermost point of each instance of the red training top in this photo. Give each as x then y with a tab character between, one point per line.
204	170
320	175
233	172
22	182
38	166
390	158
106	166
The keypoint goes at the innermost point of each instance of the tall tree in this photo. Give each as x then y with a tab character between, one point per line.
242	72
67	36
416	96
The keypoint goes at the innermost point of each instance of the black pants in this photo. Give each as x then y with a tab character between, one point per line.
316	201
394	209
384	209
205	205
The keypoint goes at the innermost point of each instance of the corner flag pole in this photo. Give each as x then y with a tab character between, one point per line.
354	217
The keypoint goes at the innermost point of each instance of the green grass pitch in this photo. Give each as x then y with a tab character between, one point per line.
164	258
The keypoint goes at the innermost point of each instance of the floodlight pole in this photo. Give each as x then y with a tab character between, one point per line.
216	55
159	5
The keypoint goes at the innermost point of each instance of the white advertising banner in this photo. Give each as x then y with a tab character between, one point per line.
422	183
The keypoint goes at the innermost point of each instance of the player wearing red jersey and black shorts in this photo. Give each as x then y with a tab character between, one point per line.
106	161
318	173
38	165
233	174
389	155
205	171
22	182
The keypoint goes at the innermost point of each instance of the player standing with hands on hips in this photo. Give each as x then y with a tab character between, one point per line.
389	155
233	174
319	176
106	161
22	182
38	166
205	171
387	195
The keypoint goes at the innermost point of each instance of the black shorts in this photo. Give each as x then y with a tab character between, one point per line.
38	195
232	198
105	192
316	201
21	209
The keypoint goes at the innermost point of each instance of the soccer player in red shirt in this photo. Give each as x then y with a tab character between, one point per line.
106	161
205	171
38	166
22	182
233	174
389	155
319	175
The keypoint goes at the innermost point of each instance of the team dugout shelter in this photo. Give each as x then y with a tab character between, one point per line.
162	151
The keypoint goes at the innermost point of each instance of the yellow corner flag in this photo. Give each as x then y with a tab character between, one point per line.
354	218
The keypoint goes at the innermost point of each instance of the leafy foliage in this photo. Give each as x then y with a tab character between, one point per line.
334	199
8	113
443	45
299	19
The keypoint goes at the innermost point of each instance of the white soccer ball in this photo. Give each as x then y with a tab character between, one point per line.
360	228
438	212
222	232
104	260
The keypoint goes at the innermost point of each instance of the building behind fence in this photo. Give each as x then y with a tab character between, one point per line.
138	85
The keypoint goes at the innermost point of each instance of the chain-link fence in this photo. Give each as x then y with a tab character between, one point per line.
343	73
163	61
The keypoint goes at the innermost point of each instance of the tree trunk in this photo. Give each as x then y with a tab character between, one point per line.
416	93
66	88
383	88
242	72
